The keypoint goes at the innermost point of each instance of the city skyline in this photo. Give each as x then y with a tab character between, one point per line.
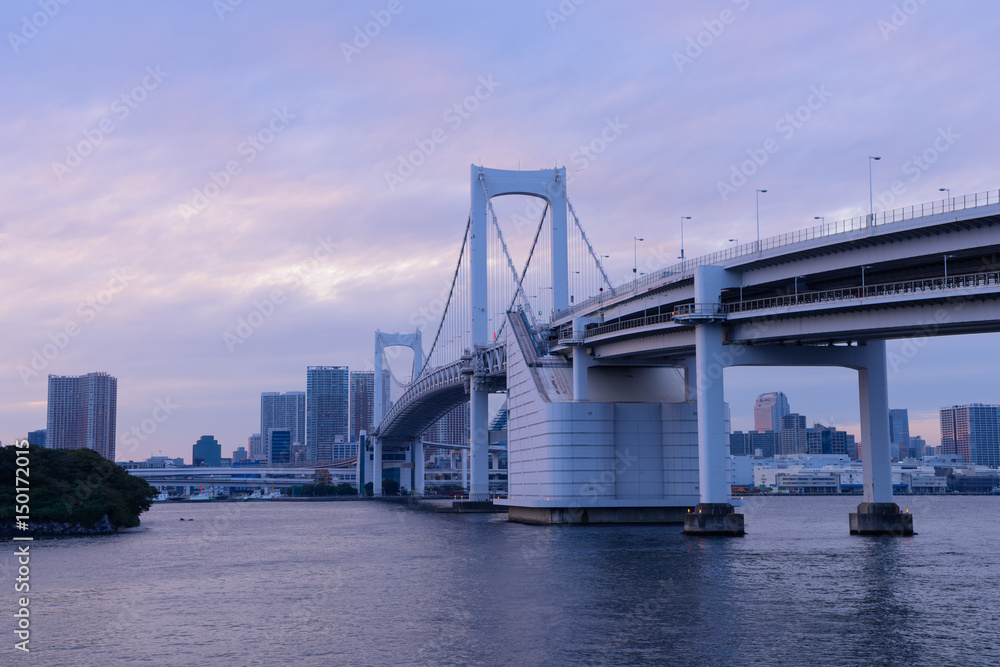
204	218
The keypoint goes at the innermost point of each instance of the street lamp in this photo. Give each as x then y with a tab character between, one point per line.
821	218
871	196
797	288
948	190
946	258
863	277
683	218
758	222
635	254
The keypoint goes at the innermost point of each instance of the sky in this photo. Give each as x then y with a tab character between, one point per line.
169	169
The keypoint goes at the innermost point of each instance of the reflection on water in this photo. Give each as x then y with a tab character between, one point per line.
374	583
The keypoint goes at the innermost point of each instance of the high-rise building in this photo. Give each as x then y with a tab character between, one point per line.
792	436
452	429
82	413
363	400
918	447
239	454
207	451
37	437
825	440
972	432
327	411
282	411
899	434
769	410
255	445
281	445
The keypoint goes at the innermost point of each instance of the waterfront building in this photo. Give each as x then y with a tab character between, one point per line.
972	432
207	451
919	447
899	434
327	411
82	413
37	438
282	411
769	410
759	444
239	454
792	436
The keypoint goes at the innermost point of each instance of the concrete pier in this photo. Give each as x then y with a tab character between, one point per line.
881	519
714	519
551	516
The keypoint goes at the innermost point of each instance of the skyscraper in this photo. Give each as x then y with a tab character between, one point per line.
363	400
255	445
769	410
972	432
327	411
792	436
899	434
282	411
82	413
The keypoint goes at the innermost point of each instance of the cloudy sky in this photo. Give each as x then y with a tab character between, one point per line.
166	169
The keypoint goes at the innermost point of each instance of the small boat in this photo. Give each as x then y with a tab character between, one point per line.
162	497
202	496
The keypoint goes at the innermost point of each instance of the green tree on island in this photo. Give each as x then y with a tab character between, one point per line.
74	486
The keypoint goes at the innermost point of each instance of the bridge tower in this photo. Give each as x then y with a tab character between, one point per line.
547	184
383	341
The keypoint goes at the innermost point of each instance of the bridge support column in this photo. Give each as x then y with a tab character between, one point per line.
714	514
376	467
479	446
418	466
878	514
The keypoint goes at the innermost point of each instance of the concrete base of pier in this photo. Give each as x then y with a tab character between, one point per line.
548	516
881	519
473	507
714	519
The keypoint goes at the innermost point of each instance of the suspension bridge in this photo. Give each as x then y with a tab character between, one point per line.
614	393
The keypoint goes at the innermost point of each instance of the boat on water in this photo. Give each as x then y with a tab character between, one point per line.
202	496
272	495
161	497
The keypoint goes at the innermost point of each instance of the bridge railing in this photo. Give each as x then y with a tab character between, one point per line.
963	281
685	269
684	311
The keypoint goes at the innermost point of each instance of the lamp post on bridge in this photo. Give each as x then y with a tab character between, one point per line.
946	258
758	222
863	278
635	263
821	218
683	218
871	192
951	203
797	288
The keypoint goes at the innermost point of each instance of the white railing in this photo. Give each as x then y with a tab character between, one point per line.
684	269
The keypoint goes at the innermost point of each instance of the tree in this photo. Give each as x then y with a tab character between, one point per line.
369	489
390	487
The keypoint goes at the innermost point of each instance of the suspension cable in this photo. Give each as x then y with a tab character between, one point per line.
586	240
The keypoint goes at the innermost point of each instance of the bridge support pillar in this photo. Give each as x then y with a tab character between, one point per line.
878	514
479	445
418	466
376	467
714	514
